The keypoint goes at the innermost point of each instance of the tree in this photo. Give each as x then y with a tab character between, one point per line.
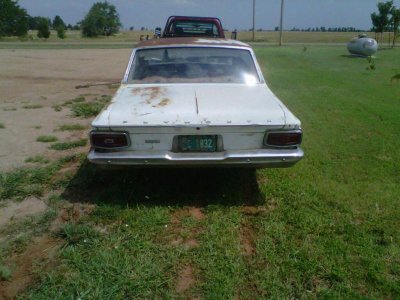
384	9
102	19
395	20
58	23
381	21
13	19
33	22
43	28
376	24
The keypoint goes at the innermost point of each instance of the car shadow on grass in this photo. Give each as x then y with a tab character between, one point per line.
166	187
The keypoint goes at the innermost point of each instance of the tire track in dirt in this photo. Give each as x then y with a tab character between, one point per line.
248	235
179	237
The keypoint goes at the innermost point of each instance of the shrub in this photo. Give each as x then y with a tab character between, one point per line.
61	32
43	28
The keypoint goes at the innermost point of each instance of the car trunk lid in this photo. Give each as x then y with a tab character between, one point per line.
192	105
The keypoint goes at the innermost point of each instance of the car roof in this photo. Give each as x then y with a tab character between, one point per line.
191	41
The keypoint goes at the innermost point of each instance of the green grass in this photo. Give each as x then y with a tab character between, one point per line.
2	126
5	273
33	181
89	109
71	127
38	159
326	228
47	139
32	106
69	145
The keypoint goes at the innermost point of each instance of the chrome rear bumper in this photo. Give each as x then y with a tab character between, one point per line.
262	158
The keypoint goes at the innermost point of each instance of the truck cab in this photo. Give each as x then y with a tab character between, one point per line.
183	26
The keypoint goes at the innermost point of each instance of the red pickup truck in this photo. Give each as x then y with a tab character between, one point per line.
181	26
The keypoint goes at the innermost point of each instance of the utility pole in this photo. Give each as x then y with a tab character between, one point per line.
281	26
254	18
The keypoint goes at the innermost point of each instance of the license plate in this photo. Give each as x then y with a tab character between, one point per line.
197	143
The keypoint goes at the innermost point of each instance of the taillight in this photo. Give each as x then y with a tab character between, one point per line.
109	140
283	139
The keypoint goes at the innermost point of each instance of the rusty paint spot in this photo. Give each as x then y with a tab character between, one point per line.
163	102
149	93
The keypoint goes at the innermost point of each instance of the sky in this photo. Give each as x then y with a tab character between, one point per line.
234	14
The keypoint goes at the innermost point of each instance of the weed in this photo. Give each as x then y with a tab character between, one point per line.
79	99
71	127
37	127
5	273
395	77
371	64
32	106
67	103
106	98
69	145
57	107
38	159
77	233
9	109
86	110
2	126
47	139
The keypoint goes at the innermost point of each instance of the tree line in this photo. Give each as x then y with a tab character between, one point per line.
324	29
102	19
387	19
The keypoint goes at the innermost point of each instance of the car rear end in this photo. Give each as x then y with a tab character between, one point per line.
211	146
195	105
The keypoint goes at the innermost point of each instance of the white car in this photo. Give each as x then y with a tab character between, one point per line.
195	102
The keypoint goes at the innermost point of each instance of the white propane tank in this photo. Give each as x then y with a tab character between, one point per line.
362	45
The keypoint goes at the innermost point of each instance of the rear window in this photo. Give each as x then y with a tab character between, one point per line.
193	65
193	28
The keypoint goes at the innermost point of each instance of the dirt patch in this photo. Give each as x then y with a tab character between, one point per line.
185	279
71	214
41	249
49	80
196	213
18	210
254	210
247	238
191	243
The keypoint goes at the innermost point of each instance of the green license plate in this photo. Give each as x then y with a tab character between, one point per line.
197	143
